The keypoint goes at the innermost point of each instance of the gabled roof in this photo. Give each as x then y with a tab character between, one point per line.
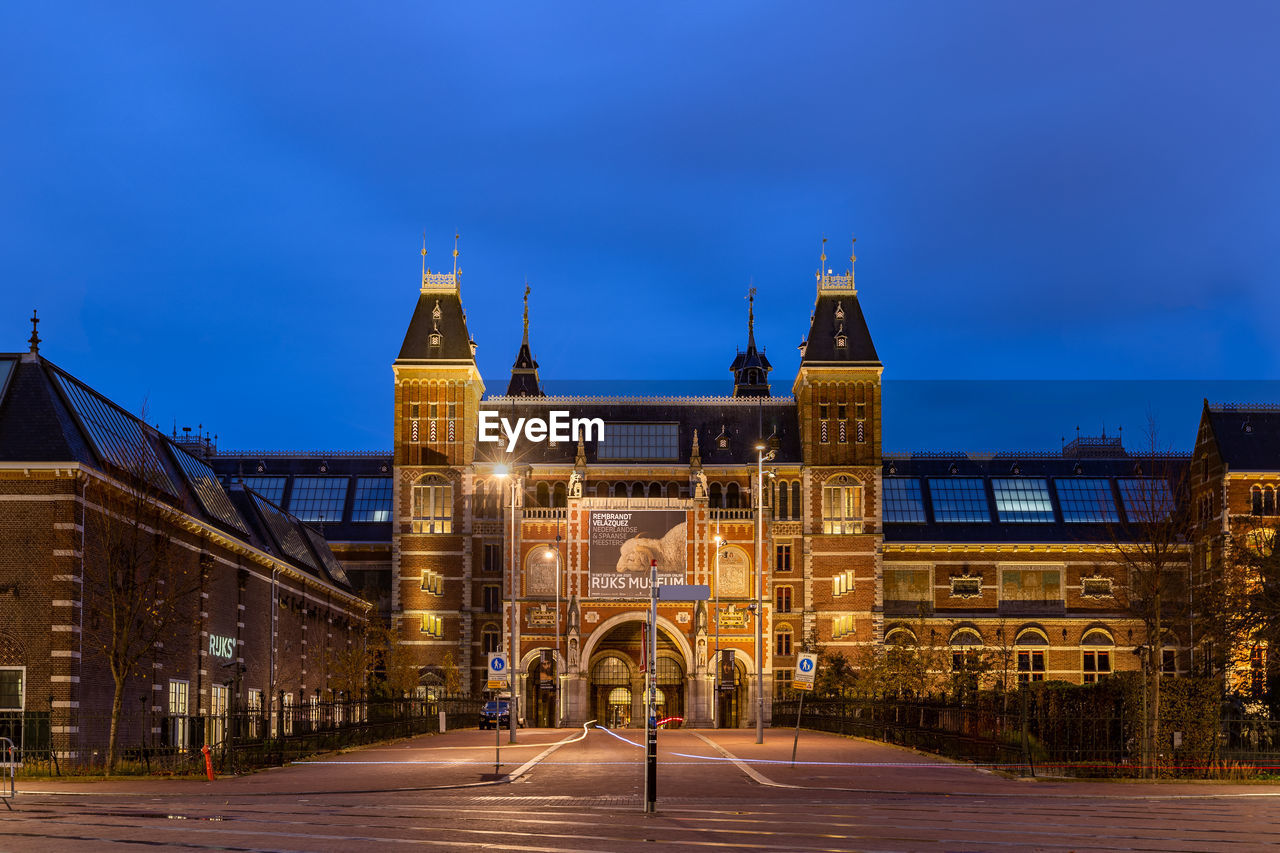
1248	436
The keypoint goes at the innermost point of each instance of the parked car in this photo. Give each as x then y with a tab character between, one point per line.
495	714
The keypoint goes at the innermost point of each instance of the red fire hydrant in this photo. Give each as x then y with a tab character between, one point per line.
208	762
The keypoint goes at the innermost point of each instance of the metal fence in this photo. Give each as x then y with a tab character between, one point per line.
74	742
1075	732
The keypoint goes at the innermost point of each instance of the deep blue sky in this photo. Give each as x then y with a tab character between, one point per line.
218	208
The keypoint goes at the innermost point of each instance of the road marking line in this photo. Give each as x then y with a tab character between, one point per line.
751	772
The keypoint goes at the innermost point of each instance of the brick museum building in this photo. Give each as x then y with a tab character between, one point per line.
465	547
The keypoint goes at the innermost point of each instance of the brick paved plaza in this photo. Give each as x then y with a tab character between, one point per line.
576	791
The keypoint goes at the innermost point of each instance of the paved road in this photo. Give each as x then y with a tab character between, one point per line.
582	791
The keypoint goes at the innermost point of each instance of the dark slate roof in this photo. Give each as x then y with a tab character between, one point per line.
231	466
455	344
820	347
742	420
35	424
313	556
38	424
1248	436
941	465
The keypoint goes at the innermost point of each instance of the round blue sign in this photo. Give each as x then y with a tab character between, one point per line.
806	664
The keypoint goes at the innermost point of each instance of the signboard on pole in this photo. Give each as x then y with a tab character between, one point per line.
499	675
806	671
624	544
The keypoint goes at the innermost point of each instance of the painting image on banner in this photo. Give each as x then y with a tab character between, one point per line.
623	542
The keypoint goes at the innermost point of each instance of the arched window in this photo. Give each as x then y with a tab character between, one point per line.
602	490
610	670
1095	655
432	505
620	490
1268	501
966	644
543	492
795	500
1030	659
716	498
655	490
732	496
1255	500
637	490
900	637
782	640
560	495
782	504
673	490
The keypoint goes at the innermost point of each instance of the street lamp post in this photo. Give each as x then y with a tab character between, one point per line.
761	456
715	699
504	474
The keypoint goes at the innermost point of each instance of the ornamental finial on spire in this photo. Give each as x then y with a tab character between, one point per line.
34	340
526	312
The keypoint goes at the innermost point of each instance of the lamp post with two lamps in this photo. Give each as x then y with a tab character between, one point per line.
504	473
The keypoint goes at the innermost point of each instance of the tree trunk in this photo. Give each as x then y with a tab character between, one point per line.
117	702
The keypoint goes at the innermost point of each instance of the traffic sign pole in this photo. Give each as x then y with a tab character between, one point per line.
806	674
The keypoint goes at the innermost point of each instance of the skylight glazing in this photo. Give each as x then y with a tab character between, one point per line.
640	441
1145	498
204	483
903	500
1022	500
318	498
959	499
271	488
1086	500
331	563
116	435
285	532
373	499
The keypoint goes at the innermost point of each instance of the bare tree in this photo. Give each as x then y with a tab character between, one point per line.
1243	598
1151	549
140	588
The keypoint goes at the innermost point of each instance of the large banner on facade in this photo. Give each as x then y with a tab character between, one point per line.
622	544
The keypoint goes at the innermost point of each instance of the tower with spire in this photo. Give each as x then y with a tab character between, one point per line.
524	373
751	368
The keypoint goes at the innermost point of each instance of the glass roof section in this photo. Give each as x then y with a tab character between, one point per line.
640	441
117	436
959	499
321	499
271	488
1086	500
207	489
373	499
1146	499
331	563
903	500
1021	499
285	532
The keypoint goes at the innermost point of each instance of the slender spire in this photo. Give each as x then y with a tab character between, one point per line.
853	253
751	318
34	340
455	253
526	312
424	255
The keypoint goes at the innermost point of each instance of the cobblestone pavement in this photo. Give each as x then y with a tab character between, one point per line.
567	790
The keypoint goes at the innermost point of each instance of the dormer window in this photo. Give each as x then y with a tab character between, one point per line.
839	310
436	339
436	314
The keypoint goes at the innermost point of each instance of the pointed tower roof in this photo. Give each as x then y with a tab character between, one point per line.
838	333
524	373
751	368
438	331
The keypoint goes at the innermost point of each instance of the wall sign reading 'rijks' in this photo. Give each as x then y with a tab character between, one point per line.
623	542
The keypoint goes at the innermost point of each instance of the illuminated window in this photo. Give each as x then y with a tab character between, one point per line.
432	582
178	729
1095	656
781	682
903	501
1031	660
432	624
959	499
842	509
12	691
432	506
1022	500
842	626
842	583
318	498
